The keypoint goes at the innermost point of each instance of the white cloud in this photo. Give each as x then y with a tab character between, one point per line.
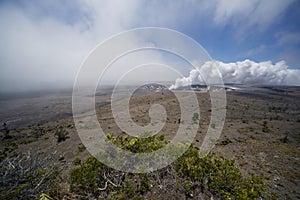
245	72
252	13
287	37
255	51
39	48
46	41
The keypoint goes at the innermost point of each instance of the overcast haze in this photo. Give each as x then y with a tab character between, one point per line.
43	43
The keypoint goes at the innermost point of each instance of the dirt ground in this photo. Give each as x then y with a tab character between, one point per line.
261	133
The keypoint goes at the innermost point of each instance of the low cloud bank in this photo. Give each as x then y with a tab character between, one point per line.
244	72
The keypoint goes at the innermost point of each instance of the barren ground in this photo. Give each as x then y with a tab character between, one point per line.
261	133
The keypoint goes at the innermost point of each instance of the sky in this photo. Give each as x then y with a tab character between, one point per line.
43	43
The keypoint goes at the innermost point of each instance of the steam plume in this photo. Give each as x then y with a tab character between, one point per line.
244	72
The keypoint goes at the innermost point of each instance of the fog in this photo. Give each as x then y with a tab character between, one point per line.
44	43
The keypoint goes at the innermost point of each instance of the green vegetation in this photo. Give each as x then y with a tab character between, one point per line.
88	177
213	173
219	174
44	196
189	176
61	134
81	147
138	144
77	161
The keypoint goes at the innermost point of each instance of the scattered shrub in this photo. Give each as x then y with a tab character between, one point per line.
61	134
77	161
265	128
138	144
217	174
284	139
6	131
88	176
145	183
224	142
81	147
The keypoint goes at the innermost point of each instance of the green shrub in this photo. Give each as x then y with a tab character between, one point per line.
138	144
250	188
188	188
146	185
61	134
213	172
77	161
88	175
219	174
81	147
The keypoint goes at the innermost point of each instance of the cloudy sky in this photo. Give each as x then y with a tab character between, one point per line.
44	42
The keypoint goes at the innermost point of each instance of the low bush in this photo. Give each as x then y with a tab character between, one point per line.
219	175
214	173
61	134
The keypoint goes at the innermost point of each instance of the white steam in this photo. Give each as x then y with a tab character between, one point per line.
244	72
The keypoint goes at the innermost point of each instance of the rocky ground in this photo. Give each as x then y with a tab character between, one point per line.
261	134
